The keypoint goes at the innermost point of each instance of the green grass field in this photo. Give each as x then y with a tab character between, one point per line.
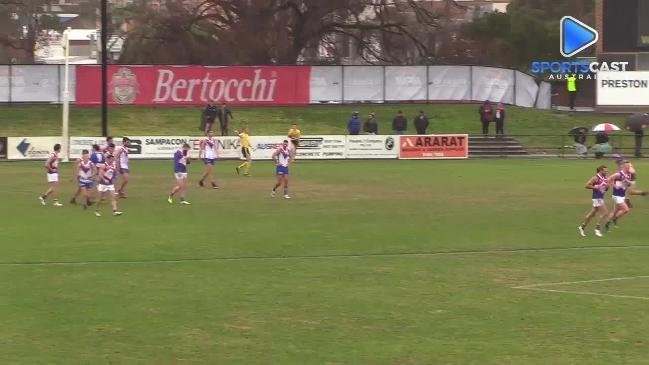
32	120
379	262
538	130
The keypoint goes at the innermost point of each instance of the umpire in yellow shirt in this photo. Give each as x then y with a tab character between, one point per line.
244	139
294	134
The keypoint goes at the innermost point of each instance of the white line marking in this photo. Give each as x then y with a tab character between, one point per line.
584	293
317	257
532	286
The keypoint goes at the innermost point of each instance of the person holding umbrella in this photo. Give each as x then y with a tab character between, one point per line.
601	139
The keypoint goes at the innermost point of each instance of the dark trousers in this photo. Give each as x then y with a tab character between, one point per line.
421	131
573	99
485	127
500	126
224	128
638	143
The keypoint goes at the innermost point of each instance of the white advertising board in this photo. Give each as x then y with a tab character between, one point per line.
31	148
623	88
372	147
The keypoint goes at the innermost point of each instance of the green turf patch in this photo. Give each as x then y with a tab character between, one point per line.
357	269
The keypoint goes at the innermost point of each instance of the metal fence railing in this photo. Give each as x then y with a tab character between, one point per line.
565	146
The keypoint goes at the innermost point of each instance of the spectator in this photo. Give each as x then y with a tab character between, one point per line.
486	116
602	145
500	120
421	123
572	90
371	126
400	123
354	124
208	117
224	115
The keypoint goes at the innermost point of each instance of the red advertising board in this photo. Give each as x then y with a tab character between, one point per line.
447	146
196	85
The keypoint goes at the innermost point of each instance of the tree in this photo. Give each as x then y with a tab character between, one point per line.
280	31
21	28
528	31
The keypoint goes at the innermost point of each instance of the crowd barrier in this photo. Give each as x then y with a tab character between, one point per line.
325	147
273	85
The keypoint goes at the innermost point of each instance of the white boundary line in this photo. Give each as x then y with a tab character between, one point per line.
320	257
585	293
538	287
580	282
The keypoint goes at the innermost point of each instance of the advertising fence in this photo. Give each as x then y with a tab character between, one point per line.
434	147
31	148
272	85
323	147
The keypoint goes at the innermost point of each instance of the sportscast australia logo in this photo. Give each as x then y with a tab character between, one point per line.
576	36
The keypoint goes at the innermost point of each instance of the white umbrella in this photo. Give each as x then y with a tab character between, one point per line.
606	127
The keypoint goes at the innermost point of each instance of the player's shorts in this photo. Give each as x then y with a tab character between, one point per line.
100	165
282	170
245	151
209	161
104	188
86	184
180	175
619	199
598	203
53	177
123	170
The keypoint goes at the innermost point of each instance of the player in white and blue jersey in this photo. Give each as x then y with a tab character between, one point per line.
208	154
97	156
282	159
181	160
121	155
599	185
622	183
106	185
52	168
85	171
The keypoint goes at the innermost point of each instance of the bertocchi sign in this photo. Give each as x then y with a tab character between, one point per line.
195	85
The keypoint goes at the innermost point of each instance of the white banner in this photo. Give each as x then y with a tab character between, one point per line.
321	147
494	84
264	146
449	83
157	147
326	84
72	77
405	83
623	88
363	83
544	100
526	90
164	147
4	84
34	83
78	144
371	147
31	148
